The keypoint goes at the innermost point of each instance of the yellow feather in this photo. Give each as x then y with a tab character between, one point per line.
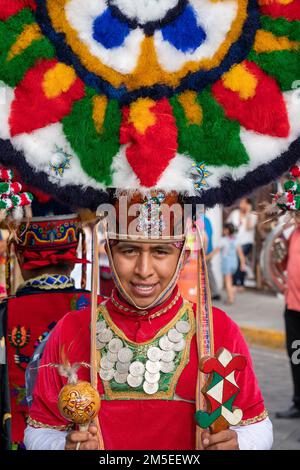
192	109
141	115
240	80
99	109
267	42
30	33
58	80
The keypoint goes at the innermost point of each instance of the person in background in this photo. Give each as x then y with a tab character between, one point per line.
231	256
46	249
245	222
209	248
292	318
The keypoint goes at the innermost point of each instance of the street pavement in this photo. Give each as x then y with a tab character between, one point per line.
255	310
273	372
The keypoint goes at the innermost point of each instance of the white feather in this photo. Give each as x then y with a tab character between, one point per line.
81	14
145	10
7	97
216	19
40	148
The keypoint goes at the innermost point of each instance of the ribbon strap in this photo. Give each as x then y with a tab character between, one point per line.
204	326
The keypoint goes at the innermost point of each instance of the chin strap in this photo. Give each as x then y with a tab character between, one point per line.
204	327
94	310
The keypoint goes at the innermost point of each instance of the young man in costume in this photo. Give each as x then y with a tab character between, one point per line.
173	95
147	354
46	251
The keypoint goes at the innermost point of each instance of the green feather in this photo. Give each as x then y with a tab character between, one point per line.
283	66
12	71
216	141
95	151
281	27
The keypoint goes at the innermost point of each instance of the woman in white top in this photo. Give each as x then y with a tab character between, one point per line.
245	222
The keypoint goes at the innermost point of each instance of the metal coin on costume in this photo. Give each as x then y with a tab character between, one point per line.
168	356
105	335
137	369
115	345
100	326
165	344
150	388
153	367
122	367
106	375
183	326
154	354
125	355
179	346
106	364
120	378
99	344
152	378
112	357
134	381
174	335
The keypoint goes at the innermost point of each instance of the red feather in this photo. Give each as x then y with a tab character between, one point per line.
150	153
264	113
31	109
291	11
12	7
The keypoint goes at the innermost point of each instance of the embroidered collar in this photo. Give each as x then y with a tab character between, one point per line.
124	308
49	282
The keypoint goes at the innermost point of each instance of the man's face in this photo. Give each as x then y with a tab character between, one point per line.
145	269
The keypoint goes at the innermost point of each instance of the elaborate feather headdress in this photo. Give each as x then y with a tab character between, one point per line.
194	96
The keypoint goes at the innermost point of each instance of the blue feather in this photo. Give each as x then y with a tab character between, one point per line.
109	30
184	33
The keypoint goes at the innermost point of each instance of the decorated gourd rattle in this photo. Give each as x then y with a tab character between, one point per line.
78	401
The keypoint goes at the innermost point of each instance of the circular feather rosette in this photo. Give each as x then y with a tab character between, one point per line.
198	96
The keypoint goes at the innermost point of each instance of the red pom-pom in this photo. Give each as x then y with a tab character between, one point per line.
295	171
6	175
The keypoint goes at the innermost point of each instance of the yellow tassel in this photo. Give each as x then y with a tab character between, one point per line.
192	109
141	115
267	42
30	33
99	109
58	80
240	80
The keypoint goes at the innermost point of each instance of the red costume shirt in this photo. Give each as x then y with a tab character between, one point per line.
131	419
